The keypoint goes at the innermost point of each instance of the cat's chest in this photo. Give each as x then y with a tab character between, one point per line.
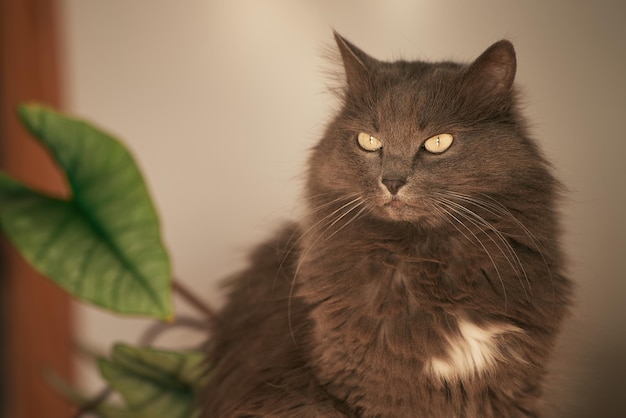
396	329
382	322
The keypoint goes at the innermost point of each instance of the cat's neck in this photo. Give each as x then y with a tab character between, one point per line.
410	265
369	253
368	236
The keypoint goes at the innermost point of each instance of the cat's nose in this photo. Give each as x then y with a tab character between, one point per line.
393	185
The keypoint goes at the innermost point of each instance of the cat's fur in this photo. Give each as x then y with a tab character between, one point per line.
417	284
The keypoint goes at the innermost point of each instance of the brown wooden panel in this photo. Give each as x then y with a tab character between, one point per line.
36	314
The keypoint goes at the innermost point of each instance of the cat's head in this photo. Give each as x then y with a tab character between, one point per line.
411	135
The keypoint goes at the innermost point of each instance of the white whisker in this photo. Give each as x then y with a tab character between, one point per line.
331	219
528	233
363	209
446	209
343	215
479	222
305	233
498	209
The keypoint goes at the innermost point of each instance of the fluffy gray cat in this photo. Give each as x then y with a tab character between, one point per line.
425	278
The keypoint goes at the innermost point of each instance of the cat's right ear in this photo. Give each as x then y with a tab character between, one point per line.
357	65
493	71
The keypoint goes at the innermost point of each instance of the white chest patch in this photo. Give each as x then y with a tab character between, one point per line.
472	352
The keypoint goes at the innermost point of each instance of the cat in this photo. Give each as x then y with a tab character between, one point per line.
425	278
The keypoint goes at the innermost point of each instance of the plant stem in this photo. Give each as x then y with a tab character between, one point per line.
192	299
158	328
93	403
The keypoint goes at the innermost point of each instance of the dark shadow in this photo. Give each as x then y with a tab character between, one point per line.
601	390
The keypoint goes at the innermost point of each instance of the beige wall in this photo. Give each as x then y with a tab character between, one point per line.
220	101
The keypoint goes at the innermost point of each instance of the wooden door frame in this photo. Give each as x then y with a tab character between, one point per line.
36	315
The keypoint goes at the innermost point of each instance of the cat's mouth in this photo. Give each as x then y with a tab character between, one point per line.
397	209
401	209
395	203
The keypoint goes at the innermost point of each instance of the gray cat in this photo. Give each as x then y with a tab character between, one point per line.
425	278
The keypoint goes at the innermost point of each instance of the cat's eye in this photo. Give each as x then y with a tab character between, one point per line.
369	142
438	143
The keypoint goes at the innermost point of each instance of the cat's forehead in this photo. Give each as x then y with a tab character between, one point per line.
411	95
406	91
400	73
403	81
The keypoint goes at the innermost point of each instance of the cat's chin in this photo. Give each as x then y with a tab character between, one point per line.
398	210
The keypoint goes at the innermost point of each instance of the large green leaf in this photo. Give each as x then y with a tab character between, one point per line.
103	245
155	383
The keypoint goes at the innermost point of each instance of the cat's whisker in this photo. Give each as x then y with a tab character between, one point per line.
498	209
318	208
340	217
447	210
363	209
355	204
332	202
479	222
351	205
509	255
330	218
314	210
305	233
538	246
502	214
444	215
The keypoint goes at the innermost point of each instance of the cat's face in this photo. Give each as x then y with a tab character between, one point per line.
411	136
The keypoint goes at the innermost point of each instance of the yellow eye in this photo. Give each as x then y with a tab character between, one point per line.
369	142
438	143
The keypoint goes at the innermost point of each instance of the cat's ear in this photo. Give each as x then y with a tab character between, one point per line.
356	63
494	70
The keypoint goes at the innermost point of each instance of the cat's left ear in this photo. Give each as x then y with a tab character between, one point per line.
357	64
494	70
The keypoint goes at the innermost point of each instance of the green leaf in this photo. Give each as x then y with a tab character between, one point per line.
103	245
155	383
101	409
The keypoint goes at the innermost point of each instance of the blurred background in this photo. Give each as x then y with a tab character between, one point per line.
220	102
